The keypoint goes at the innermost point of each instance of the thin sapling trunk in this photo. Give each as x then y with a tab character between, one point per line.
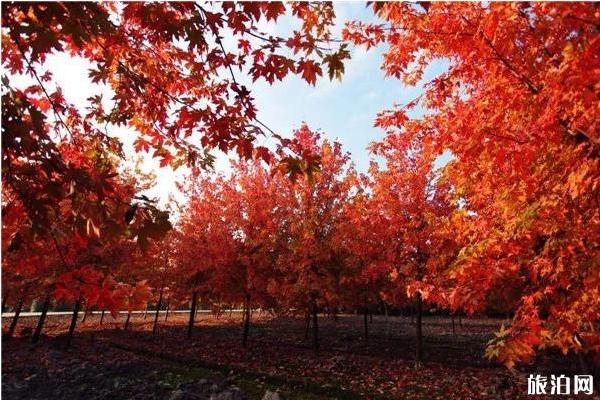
127	320
192	314
315	327
40	325
246	321
155	326
74	317
307	320
13	324
366	324
419	330
453	325
4	300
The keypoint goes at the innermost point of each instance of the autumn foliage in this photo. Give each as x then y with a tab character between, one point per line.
518	110
511	222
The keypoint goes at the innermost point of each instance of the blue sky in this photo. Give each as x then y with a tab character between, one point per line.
340	110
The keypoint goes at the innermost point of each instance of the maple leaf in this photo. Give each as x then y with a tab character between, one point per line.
166	159
335	62
141	144
309	70
273	9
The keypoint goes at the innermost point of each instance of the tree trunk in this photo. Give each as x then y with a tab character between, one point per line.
167	310
4	300
412	314
419	331
40	325
460	319
315	327
102	317
246	322
73	321
192	314
366	323
387	321
127	320
85	313
585	365
146	312
157	311
453	325
307	325
13	324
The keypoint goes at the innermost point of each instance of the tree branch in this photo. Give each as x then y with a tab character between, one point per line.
34	73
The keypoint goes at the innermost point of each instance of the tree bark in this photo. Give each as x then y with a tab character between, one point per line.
127	320
40	325
167	310
453	325
460	319
157	311
192	314
307	328
366	323
4	300
102	317
419	330
86	312
583	358
315	324
76	308
146	312
387	320
13	324
246	322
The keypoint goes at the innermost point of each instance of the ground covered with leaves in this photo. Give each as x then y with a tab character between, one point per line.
106	362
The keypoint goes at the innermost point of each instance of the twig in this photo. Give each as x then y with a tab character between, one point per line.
33	71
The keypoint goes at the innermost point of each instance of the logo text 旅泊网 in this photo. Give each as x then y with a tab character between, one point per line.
560	385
